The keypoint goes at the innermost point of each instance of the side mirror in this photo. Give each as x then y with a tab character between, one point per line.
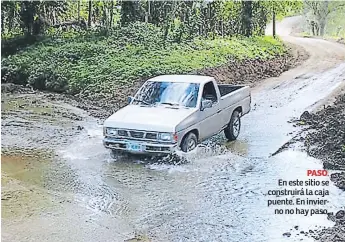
130	99
206	104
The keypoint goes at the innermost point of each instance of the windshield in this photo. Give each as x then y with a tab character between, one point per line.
168	93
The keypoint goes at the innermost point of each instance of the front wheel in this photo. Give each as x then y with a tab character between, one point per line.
189	143
233	129
115	153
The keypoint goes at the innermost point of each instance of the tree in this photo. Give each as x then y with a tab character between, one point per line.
275	10
247	13
78	10
89	14
319	12
131	11
9	12
111	13
178	19
27	14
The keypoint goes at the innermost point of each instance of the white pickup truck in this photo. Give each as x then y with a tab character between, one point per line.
173	112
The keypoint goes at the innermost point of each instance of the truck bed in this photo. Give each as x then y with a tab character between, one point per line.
225	89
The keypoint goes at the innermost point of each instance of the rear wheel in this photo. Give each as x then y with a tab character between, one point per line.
233	129
189	143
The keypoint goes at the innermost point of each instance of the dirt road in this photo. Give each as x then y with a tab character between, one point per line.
76	192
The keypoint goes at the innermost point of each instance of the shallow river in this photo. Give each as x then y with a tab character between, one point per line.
215	196
219	194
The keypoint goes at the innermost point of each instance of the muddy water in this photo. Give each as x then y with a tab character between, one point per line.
215	196
219	195
15	197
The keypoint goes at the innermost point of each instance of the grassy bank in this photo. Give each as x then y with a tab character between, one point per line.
84	63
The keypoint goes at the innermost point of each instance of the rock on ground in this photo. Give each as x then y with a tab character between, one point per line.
326	141
333	234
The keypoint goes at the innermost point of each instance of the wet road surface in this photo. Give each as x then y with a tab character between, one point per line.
216	196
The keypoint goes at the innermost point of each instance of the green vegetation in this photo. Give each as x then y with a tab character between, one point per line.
335	26
96	46
325	17
76	62
183	18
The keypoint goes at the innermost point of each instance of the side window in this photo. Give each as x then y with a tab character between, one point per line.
209	92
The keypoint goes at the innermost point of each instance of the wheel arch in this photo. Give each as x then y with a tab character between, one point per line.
238	109
195	131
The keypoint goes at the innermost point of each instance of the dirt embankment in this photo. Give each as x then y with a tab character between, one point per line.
335	233
248	72
251	71
326	137
325	140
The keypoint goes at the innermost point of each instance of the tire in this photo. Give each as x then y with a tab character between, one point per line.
115	153
189	143
233	129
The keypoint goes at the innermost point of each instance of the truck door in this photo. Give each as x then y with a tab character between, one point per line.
210	123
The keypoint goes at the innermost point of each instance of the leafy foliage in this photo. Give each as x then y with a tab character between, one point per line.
185	19
319	12
85	46
83	62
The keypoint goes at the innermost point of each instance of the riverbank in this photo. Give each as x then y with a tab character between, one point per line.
325	140
236	71
100	71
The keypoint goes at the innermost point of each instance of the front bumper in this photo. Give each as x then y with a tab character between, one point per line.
146	147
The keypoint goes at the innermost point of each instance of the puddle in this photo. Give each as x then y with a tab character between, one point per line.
240	147
28	168
22	182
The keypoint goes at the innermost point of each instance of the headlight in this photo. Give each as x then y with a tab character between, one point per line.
111	131
166	136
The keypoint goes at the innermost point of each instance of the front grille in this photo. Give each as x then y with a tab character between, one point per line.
157	148
122	132
137	134
151	136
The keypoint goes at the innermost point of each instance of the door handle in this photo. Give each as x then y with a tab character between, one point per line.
219	111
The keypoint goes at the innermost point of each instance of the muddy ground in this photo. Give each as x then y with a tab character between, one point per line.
325	140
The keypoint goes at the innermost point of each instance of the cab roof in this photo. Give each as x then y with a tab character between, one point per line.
182	78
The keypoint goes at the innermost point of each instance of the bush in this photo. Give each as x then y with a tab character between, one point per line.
48	80
138	34
10	46
14	74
